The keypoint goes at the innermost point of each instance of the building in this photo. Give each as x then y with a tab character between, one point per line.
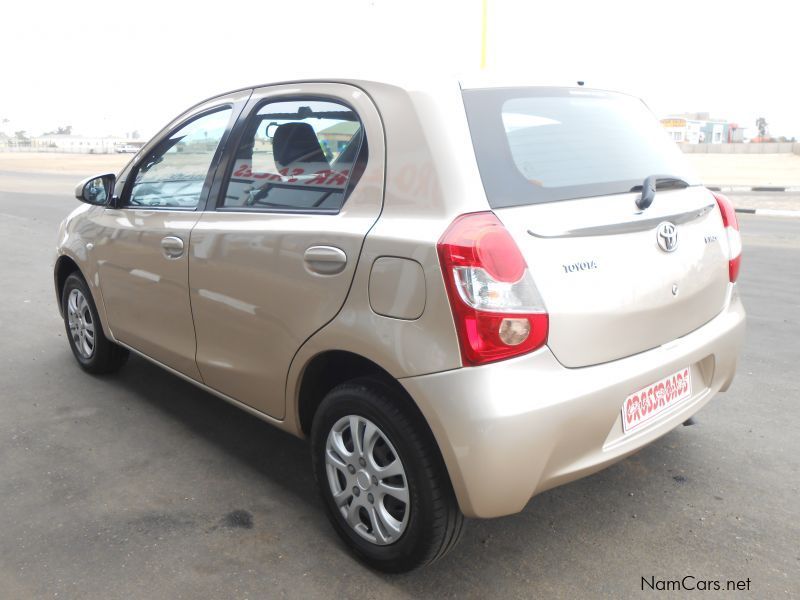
76	143
700	128
335	138
68	143
684	130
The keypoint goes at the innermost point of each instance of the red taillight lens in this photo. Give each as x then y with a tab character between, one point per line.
496	307
732	232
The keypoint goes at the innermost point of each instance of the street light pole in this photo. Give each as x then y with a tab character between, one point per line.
483	33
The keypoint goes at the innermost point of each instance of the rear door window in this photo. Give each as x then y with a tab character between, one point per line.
548	144
296	155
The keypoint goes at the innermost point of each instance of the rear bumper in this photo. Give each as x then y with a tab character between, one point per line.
512	429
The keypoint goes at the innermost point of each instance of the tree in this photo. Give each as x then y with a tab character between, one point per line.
135	135
20	135
761	123
60	131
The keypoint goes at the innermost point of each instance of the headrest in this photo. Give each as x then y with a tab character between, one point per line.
296	143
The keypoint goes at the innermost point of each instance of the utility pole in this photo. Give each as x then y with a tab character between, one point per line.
484	10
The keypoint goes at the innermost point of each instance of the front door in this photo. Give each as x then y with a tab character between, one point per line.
142	252
273	262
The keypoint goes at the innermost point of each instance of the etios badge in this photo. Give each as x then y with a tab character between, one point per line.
667	236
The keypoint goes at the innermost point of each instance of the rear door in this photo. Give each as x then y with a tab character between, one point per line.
273	260
562	170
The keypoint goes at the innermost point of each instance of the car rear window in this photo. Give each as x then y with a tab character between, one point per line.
548	144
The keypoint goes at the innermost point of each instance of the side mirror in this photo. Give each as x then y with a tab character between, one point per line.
96	190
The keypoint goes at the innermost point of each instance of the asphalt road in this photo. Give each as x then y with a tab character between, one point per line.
138	485
783	201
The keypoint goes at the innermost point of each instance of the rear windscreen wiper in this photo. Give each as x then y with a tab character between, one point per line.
654	182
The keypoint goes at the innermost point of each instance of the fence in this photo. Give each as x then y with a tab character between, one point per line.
77	145
111	148
77	150
765	148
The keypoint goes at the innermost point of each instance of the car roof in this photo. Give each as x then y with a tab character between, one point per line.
415	82
436	88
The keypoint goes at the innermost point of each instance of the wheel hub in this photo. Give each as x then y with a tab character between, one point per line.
363	480
367	480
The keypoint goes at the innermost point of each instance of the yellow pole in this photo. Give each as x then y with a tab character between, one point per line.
483	35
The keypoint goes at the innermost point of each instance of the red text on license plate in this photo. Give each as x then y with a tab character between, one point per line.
657	397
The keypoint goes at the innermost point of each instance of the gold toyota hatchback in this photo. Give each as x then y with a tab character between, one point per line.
463	295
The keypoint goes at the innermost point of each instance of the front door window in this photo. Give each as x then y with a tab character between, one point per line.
174	173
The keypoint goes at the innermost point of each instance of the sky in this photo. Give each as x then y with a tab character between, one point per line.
111	67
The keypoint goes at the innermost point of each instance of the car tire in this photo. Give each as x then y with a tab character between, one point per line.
380	528
94	352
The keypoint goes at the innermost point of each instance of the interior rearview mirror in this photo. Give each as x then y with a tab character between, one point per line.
96	190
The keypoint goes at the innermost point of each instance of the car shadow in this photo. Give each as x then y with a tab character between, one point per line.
558	535
258	445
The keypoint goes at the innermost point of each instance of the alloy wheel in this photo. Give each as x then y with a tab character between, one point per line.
367	480
81	324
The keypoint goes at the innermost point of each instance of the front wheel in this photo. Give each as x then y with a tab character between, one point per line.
94	352
381	478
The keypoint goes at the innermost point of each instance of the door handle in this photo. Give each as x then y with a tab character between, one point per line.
172	246
325	260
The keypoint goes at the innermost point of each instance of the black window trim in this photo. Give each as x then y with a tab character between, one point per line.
124	198
245	118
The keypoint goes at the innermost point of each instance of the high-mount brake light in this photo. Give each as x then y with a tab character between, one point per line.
731	224
496	307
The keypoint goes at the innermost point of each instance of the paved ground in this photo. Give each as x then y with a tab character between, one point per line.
53	173
138	485
62	163
747	169
789	201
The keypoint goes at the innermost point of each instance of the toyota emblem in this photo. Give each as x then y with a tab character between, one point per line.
667	236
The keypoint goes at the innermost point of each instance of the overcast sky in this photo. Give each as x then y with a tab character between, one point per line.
112	67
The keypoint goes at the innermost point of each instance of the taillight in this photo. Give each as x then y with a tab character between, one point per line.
732	232
496	307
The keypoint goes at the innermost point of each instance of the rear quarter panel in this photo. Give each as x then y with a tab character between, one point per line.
431	177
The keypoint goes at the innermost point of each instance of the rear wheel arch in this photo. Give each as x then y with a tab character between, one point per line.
331	368
424	517
324	372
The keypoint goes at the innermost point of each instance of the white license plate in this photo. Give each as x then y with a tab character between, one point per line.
645	405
